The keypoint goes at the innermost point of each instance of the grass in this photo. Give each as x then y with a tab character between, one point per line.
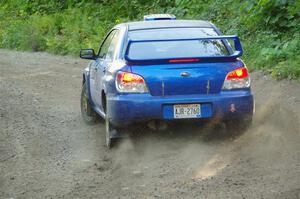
269	29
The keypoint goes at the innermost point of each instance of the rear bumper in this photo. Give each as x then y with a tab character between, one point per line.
125	109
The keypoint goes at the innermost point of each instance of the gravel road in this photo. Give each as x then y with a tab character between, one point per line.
46	151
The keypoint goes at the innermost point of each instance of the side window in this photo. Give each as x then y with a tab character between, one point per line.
112	47
105	45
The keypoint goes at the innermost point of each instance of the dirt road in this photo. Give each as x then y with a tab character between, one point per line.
46	151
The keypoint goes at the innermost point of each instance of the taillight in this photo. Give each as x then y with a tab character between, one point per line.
130	83
238	78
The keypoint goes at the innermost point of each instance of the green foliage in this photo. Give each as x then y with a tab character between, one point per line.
281	59
278	15
269	29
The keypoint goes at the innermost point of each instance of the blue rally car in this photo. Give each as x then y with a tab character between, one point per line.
163	69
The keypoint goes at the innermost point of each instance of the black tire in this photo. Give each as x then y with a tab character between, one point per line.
239	125
89	116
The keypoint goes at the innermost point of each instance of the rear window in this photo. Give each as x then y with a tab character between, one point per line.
175	49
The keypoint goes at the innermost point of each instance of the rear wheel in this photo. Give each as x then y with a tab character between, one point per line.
88	114
110	131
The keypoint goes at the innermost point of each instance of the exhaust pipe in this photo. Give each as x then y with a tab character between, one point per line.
157	125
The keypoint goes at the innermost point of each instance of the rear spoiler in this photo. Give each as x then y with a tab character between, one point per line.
237	52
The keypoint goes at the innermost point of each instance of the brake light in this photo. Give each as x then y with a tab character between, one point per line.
236	79
238	73
130	78
183	60
130	83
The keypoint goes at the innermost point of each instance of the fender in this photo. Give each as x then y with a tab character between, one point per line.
86	75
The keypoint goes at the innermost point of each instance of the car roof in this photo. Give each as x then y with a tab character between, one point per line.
141	25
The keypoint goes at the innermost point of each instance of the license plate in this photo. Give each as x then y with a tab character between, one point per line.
187	111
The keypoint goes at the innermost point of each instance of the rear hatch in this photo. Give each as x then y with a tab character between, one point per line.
182	61
185	78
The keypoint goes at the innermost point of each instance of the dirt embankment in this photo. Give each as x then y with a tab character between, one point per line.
46	151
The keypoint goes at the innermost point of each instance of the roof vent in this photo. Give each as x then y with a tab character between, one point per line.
154	17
